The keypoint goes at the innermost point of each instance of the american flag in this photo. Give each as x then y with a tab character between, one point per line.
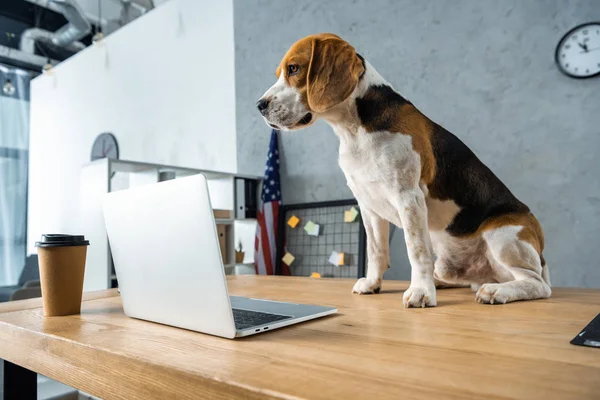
265	244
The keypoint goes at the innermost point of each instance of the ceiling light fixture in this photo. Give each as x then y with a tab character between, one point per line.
47	68
98	36
8	88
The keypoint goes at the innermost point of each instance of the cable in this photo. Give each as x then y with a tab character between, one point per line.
99	16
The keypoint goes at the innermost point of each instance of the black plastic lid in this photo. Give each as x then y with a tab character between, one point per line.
59	240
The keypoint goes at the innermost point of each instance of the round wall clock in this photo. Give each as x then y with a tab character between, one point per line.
578	52
105	146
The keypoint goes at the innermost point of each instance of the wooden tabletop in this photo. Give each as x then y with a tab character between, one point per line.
373	348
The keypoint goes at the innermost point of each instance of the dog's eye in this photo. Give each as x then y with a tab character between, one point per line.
292	69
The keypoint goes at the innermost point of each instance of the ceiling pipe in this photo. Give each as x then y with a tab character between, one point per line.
23	59
30	36
46	4
78	26
89	14
67	36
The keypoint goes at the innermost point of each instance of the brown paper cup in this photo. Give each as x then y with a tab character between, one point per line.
62	269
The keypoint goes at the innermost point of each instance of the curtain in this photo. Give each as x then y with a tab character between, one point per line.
14	146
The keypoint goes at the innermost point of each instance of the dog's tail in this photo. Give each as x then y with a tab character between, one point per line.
545	271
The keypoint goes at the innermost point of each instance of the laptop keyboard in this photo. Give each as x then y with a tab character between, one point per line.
246	319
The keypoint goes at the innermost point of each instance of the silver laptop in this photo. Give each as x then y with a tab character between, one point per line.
166	253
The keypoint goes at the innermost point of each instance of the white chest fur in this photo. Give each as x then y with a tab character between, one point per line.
378	166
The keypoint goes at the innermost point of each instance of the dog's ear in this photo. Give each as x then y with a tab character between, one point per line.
333	73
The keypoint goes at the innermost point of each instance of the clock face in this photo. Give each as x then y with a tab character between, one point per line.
105	146
578	52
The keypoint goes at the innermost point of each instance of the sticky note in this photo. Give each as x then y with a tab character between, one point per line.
336	258
288	259
293	221
333	258
350	215
311	228
347	216
315	275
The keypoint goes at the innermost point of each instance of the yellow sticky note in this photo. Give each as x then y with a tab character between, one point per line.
311	228
315	275
347	216
293	221
288	259
341	259
350	215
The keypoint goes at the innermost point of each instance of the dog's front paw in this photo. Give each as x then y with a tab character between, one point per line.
367	286
493	293
420	296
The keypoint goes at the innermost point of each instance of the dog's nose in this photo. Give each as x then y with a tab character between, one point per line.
262	105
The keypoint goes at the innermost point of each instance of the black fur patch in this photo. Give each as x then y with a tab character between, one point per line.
375	109
460	176
362	60
463	178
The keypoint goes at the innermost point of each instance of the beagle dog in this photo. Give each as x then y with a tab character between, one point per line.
461	224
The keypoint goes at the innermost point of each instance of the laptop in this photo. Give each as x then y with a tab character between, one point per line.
166	253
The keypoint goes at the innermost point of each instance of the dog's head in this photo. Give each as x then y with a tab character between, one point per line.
317	73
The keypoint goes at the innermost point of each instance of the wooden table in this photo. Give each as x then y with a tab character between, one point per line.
373	348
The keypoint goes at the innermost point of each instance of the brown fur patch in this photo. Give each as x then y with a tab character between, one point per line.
381	109
413	123
531	233
329	70
299	54
334	71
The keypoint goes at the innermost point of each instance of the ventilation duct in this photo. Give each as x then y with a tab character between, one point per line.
22	59
66	37
78	26
30	36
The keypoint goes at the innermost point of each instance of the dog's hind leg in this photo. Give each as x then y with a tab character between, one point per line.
378	257
514	256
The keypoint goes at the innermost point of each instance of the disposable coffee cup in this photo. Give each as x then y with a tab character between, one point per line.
62	267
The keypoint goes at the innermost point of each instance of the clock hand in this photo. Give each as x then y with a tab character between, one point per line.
583	46
588	50
104	153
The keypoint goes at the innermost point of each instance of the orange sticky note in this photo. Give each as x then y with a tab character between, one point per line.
315	275
293	221
288	259
341	259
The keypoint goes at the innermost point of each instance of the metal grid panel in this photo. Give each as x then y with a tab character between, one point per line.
312	253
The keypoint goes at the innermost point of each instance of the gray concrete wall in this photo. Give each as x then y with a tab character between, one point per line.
482	69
